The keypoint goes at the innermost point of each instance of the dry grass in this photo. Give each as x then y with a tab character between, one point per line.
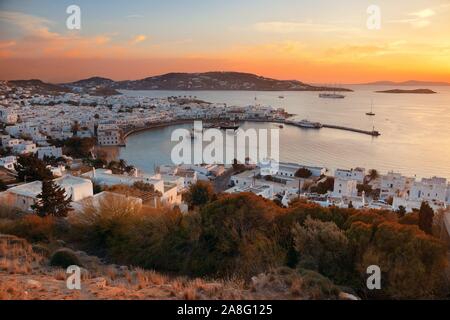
25	274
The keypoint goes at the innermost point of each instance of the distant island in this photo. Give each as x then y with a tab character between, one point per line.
406	83
420	91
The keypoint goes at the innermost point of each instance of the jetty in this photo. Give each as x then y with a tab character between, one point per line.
373	132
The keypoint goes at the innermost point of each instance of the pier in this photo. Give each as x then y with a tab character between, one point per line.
373	132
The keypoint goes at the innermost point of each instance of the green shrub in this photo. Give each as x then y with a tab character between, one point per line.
316	286
64	258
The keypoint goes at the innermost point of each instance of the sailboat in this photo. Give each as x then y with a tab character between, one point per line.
371	113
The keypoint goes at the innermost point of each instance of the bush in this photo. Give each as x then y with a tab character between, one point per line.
237	237
32	228
323	245
199	194
317	286
41	250
64	258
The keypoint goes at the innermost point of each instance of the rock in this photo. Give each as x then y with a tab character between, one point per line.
33	284
99	282
61	243
347	296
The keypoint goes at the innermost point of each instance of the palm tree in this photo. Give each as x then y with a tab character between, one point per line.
373	174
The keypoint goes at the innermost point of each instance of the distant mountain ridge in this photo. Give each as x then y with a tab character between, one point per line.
419	91
202	81
407	83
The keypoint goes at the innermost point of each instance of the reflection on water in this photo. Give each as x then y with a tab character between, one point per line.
415	130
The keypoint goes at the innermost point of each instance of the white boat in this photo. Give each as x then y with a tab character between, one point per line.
371	113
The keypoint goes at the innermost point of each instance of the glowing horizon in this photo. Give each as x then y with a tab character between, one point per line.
324	42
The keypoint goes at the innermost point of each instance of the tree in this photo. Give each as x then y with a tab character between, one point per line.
426	215
3	186
237	237
373	174
52	201
75	128
324	186
79	147
199	194
303	173
30	168
401	211
321	246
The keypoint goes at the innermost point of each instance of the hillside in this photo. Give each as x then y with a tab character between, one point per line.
203	81
36	86
25	274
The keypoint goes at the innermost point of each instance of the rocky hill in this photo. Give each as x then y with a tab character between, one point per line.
28	273
203	81
35	86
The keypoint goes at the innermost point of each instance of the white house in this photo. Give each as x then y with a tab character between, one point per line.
8	162
49	151
25	195
265	191
357	174
345	188
109	135
394	184
8	116
434	191
287	169
25	147
107	178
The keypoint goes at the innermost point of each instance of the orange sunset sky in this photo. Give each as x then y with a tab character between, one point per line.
313	41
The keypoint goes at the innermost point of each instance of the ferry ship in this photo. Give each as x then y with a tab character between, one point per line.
331	95
228	125
307	124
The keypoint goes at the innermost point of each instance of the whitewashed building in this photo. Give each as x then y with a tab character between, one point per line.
25	195
395	185
109	135
49	151
357	174
8	162
344	188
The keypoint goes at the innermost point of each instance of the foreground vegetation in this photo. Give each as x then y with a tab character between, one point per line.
245	237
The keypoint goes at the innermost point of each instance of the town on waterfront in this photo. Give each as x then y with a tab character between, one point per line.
50	127
240	152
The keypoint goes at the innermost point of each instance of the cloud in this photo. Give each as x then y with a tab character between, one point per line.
102	39
138	38
298	26
421	18
425	13
28	24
